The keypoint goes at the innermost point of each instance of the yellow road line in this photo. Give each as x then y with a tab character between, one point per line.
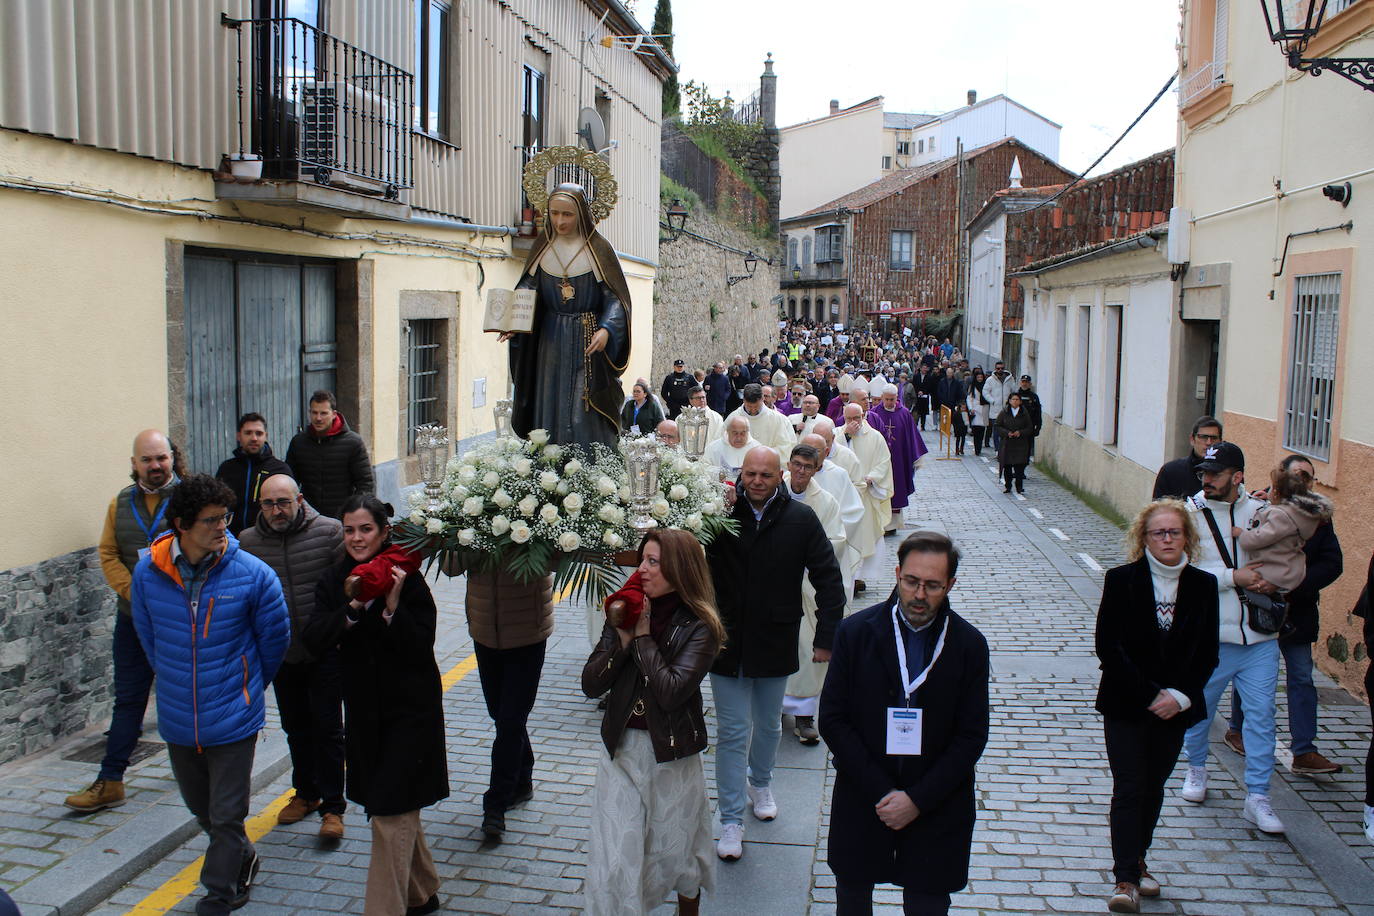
185	882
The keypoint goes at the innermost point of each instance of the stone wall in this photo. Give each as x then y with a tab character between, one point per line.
697	317
56	620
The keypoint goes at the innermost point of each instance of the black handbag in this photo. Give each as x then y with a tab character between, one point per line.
1263	613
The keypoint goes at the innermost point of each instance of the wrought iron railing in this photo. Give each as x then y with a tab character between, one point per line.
1207	76
316	108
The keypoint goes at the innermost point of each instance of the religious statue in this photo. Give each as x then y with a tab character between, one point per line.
566	371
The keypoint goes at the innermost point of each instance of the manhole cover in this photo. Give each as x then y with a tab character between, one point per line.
94	751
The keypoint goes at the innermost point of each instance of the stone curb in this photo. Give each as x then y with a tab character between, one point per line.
92	874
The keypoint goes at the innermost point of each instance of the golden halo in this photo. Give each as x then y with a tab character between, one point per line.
605	189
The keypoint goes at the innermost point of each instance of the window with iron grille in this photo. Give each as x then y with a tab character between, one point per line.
422	375
900	258
1312	365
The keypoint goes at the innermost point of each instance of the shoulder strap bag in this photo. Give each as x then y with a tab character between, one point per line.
1264	613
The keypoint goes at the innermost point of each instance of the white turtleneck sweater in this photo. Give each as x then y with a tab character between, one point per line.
1165	580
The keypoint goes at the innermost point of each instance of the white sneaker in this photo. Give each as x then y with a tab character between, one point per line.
1259	812
1369	823
1195	785
765	809
730	846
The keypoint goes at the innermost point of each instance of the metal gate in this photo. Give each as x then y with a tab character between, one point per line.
259	337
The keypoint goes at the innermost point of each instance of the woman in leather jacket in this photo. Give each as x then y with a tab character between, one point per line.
651	823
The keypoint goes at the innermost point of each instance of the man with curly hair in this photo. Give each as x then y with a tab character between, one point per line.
211	675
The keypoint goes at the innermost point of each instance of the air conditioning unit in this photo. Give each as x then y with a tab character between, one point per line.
350	136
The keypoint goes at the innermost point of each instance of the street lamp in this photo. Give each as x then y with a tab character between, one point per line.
1293	23
676	221
751	264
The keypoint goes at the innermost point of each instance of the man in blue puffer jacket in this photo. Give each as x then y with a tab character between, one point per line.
214	625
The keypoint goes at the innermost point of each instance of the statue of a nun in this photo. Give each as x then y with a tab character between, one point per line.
566	371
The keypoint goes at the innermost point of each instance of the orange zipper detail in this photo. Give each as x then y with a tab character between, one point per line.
246	701
209	609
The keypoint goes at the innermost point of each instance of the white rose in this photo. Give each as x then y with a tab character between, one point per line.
605	485
472	505
660	508
624	493
549	514
694	521
417	517
682	465
434	526
459	492
677	493
467	473
520	532
553	452
569	541
573	502
539	437
715	506
612	540
523	466
529	505
502	499
612	515
563	488
467	536
500	525
491	480
500	464
548	480
572	467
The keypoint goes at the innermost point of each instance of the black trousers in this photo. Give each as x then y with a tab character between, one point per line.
510	684
857	900
1015	473
216	783
978	432
310	700
1141	754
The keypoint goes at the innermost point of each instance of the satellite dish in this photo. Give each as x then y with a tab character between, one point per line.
591	130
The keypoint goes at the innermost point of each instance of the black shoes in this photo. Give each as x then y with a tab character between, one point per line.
494	825
429	906
1007	488
522	794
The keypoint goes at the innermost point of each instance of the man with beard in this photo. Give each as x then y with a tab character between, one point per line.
300	545
137	516
328	459
245	472
905	714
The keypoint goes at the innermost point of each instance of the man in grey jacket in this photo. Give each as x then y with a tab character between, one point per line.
300	544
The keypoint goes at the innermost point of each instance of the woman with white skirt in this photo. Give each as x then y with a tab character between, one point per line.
651	824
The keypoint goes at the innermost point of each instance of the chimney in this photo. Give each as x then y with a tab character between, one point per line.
834	106
972	97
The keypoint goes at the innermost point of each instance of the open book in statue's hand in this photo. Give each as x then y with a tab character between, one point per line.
509	311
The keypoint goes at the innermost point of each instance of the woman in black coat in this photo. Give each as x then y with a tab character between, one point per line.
640	413
393	706
1012	455
1157	634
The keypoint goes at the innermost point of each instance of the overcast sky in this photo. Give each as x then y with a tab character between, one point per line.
1090	65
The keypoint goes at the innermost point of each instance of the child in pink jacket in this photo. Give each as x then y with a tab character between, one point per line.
1278	530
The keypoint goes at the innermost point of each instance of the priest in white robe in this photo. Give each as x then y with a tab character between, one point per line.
728	453
766	425
875	464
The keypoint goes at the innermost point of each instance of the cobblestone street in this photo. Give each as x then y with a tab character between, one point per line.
1030	580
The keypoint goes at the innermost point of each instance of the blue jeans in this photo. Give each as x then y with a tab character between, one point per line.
1302	698
1255	670
748	726
133	681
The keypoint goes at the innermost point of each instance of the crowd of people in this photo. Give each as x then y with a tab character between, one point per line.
287	570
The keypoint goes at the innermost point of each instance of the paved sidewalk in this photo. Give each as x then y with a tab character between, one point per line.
1041	844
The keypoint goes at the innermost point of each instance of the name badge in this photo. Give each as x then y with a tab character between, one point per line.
903	731
634	430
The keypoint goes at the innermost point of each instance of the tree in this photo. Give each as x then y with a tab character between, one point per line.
663	25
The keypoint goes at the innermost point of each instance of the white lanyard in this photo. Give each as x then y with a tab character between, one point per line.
907	683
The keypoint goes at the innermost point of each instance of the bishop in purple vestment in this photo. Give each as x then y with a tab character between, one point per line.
898	427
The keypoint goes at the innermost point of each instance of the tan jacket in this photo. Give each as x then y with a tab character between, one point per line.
504	613
1277	533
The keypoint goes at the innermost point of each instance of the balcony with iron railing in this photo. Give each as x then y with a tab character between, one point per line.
822	273
321	124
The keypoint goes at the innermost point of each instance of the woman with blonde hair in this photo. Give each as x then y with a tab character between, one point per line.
1157	642
651	824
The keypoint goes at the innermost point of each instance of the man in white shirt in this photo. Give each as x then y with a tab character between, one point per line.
697	398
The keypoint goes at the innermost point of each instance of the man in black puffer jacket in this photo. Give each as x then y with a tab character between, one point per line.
253	463
301	545
758	580
328	459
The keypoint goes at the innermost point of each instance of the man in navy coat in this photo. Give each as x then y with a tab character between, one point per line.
904	711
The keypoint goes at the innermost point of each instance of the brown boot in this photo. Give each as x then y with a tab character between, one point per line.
1125	899
296	810
331	827
689	906
1235	741
1149	885
1314	764
101	794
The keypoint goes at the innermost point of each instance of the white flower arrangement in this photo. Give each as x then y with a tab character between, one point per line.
532	507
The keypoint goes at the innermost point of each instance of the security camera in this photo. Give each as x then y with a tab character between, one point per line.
1340	193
